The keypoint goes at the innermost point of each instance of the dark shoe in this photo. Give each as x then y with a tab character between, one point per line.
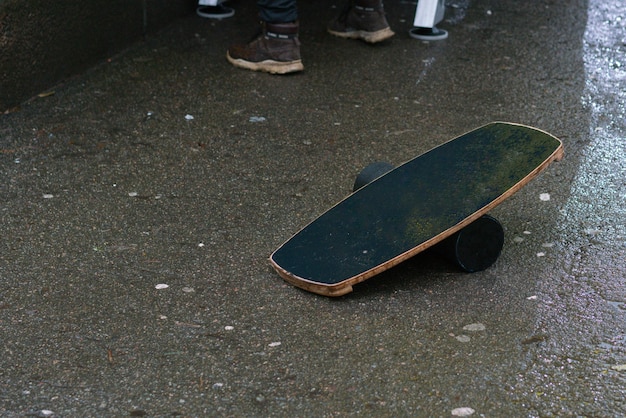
276	50
362	19
215	12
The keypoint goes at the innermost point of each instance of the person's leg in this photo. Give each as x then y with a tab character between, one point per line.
362	19
278	11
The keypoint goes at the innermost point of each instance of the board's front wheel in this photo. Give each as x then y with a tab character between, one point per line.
371	173
475	247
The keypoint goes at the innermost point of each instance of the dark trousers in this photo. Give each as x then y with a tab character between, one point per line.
277	11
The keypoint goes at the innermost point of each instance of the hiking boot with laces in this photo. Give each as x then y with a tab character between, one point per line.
276	50
362	19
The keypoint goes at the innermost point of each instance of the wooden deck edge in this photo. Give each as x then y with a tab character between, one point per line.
331	290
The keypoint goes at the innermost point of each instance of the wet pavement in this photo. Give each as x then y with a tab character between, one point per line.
140	201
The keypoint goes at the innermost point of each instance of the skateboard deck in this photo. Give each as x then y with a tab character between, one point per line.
414	207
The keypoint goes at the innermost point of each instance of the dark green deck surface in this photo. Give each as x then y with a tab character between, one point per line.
414	203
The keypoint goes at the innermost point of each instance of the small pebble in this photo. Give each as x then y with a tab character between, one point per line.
475	327
462	412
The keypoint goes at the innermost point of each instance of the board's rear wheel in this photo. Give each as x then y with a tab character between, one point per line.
371	173
475	247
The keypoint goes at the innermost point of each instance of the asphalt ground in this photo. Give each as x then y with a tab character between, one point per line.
140	202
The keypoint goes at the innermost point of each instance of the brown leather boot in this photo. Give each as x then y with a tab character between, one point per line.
362	19
276	50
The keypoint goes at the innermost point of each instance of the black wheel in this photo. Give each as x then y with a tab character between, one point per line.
371	173
475	247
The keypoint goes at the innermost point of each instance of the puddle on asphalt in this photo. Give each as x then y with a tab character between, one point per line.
587	299
599	191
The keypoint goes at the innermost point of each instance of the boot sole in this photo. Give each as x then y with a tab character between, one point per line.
268	66
370	37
